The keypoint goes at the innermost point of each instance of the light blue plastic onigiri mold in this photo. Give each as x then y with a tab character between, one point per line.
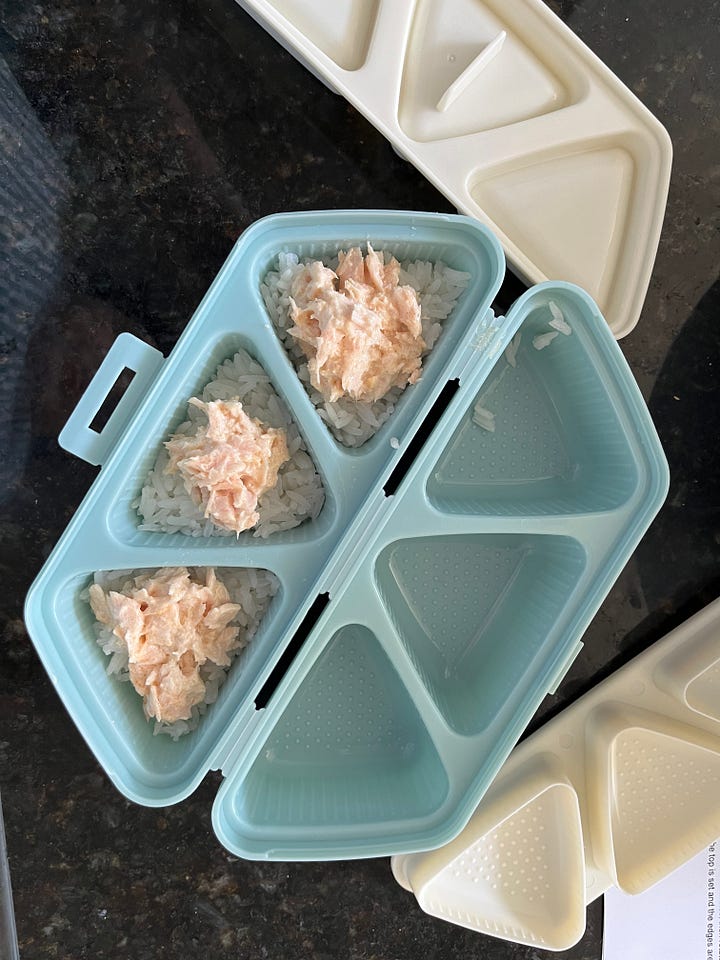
443	589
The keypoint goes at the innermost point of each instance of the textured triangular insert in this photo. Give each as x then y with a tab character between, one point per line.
567	214
444	40
524	880
341	29
350	747
664	804
473	610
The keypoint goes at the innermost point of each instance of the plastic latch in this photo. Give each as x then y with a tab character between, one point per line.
564	667
77	436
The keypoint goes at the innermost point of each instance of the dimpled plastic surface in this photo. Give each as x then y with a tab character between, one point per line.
619	789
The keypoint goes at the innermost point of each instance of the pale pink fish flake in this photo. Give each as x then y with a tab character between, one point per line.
170	625
228	463
358	326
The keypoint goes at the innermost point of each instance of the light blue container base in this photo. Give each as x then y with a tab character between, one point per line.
456	600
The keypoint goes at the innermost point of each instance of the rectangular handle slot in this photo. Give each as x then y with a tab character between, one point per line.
293	648
418	441
111	399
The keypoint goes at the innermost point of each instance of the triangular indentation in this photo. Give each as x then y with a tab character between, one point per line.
567	214
664	804
341	29
350	746
515	86
471	608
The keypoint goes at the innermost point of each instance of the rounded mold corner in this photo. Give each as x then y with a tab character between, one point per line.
547	434
651	787
586	212
469	608
149	768
518	870
690	672
702	694
342	31
491	69
348	758
123	518
457	242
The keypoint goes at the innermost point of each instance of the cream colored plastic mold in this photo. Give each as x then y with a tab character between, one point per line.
513	118
620	789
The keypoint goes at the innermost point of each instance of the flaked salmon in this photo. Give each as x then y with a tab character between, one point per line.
171	624
228	463
358	326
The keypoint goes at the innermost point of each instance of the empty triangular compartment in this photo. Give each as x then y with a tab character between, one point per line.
470	608
569	213
555	441
515	83
341	30
663	803
349	751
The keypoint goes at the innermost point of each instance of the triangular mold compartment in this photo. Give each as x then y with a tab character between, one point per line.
557	443
522	881
341	29
663	801
470	608
571	212
151	505
348	755
517	84
455	270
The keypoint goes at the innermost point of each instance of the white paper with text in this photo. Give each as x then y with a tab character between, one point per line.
677	919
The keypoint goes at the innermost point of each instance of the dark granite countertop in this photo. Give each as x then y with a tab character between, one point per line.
137	141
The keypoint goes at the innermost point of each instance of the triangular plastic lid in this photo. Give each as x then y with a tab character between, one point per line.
523	880
513	118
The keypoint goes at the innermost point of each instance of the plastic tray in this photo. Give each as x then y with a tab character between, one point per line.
456	601
513	118
620	789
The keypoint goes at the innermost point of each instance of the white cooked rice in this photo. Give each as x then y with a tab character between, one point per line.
164	504
512	349
483	417
543	340
353	422
252	588
558	321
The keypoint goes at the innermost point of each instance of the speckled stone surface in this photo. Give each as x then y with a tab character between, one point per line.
137	140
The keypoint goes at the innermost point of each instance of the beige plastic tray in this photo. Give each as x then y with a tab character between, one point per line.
513	118
620	789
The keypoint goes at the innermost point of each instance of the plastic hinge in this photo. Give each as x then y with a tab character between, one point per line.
235	742
484	340
564	667
368	520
